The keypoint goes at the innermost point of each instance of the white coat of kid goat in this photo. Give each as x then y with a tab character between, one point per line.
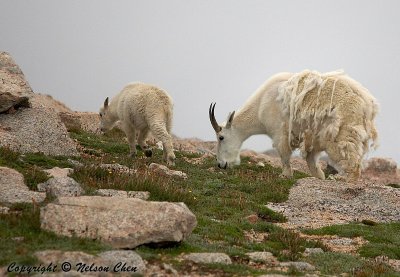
308	110
141	108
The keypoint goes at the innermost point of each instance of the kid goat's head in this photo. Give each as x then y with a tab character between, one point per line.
229	143
106	120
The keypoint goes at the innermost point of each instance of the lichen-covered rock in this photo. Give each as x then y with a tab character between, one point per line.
125	222
14	89
14	190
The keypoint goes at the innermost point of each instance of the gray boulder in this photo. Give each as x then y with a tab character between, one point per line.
36	129
14	190
61	186
119	221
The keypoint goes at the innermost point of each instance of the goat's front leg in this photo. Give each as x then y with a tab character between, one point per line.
285	152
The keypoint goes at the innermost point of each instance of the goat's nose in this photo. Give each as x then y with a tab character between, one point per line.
224	166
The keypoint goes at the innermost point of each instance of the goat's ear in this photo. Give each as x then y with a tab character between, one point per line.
230	119
106	103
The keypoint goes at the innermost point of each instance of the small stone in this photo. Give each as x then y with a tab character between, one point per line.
169	269
312	251
208	258
4	210
253	218
118	168
75	163
18	239
128	257
300	266
260	164
57	172
266	257
165	171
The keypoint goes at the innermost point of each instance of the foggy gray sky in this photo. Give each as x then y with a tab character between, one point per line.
80	52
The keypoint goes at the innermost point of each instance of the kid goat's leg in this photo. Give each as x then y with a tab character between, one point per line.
142	141
131	136
159	130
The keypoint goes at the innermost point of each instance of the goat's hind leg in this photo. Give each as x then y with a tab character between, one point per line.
142	142
130	133
160	132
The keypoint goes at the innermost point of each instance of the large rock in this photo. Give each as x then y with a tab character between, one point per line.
315	203
37	129
87	121
14	89
122	222
14	190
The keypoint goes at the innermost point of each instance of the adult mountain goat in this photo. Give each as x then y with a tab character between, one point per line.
308	110
141	108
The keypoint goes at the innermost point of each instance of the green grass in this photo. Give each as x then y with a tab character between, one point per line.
337	263
384	239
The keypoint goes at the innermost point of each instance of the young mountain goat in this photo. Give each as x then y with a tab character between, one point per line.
311	111
143	108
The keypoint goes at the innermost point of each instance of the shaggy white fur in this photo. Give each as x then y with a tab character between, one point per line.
141	108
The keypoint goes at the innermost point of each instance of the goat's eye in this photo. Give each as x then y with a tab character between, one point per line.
221	138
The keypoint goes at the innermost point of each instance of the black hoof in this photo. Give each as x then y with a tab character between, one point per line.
148	153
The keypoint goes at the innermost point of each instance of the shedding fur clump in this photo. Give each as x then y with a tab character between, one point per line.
330	112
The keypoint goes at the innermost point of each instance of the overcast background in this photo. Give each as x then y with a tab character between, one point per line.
80	52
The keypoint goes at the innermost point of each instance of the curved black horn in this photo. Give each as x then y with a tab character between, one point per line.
211	114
